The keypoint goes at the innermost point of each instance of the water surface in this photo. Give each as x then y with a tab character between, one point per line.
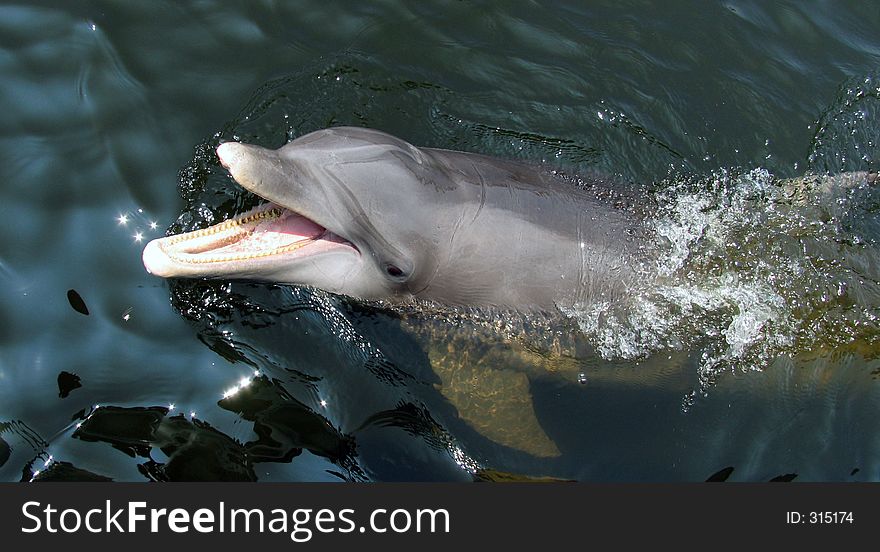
111	112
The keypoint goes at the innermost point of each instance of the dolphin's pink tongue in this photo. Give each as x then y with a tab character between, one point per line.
289	228
292	224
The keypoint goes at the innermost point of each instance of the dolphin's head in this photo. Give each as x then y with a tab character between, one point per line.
349	210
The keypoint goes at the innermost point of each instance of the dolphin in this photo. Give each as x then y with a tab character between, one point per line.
359	212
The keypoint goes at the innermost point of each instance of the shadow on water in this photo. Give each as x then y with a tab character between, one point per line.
325	373
180	448
168	447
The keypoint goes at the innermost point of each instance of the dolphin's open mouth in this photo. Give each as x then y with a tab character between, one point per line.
265	232
252	243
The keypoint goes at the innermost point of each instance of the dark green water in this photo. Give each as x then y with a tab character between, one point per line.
105	103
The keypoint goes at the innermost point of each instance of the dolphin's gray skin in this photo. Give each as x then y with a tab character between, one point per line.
358	212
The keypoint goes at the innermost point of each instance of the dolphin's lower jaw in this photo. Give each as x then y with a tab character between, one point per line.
259	242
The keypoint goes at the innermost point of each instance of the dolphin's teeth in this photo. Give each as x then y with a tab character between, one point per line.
226	233
234	224
190	258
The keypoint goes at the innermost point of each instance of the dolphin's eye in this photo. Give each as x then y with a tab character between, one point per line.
393	271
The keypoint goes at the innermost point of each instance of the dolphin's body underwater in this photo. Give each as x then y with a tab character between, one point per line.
358	212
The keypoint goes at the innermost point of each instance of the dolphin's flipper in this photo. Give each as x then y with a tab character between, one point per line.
485	374
486	378
492	398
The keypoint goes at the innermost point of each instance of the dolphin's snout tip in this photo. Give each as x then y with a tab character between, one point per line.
155	260
250	166
228	153
232	154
